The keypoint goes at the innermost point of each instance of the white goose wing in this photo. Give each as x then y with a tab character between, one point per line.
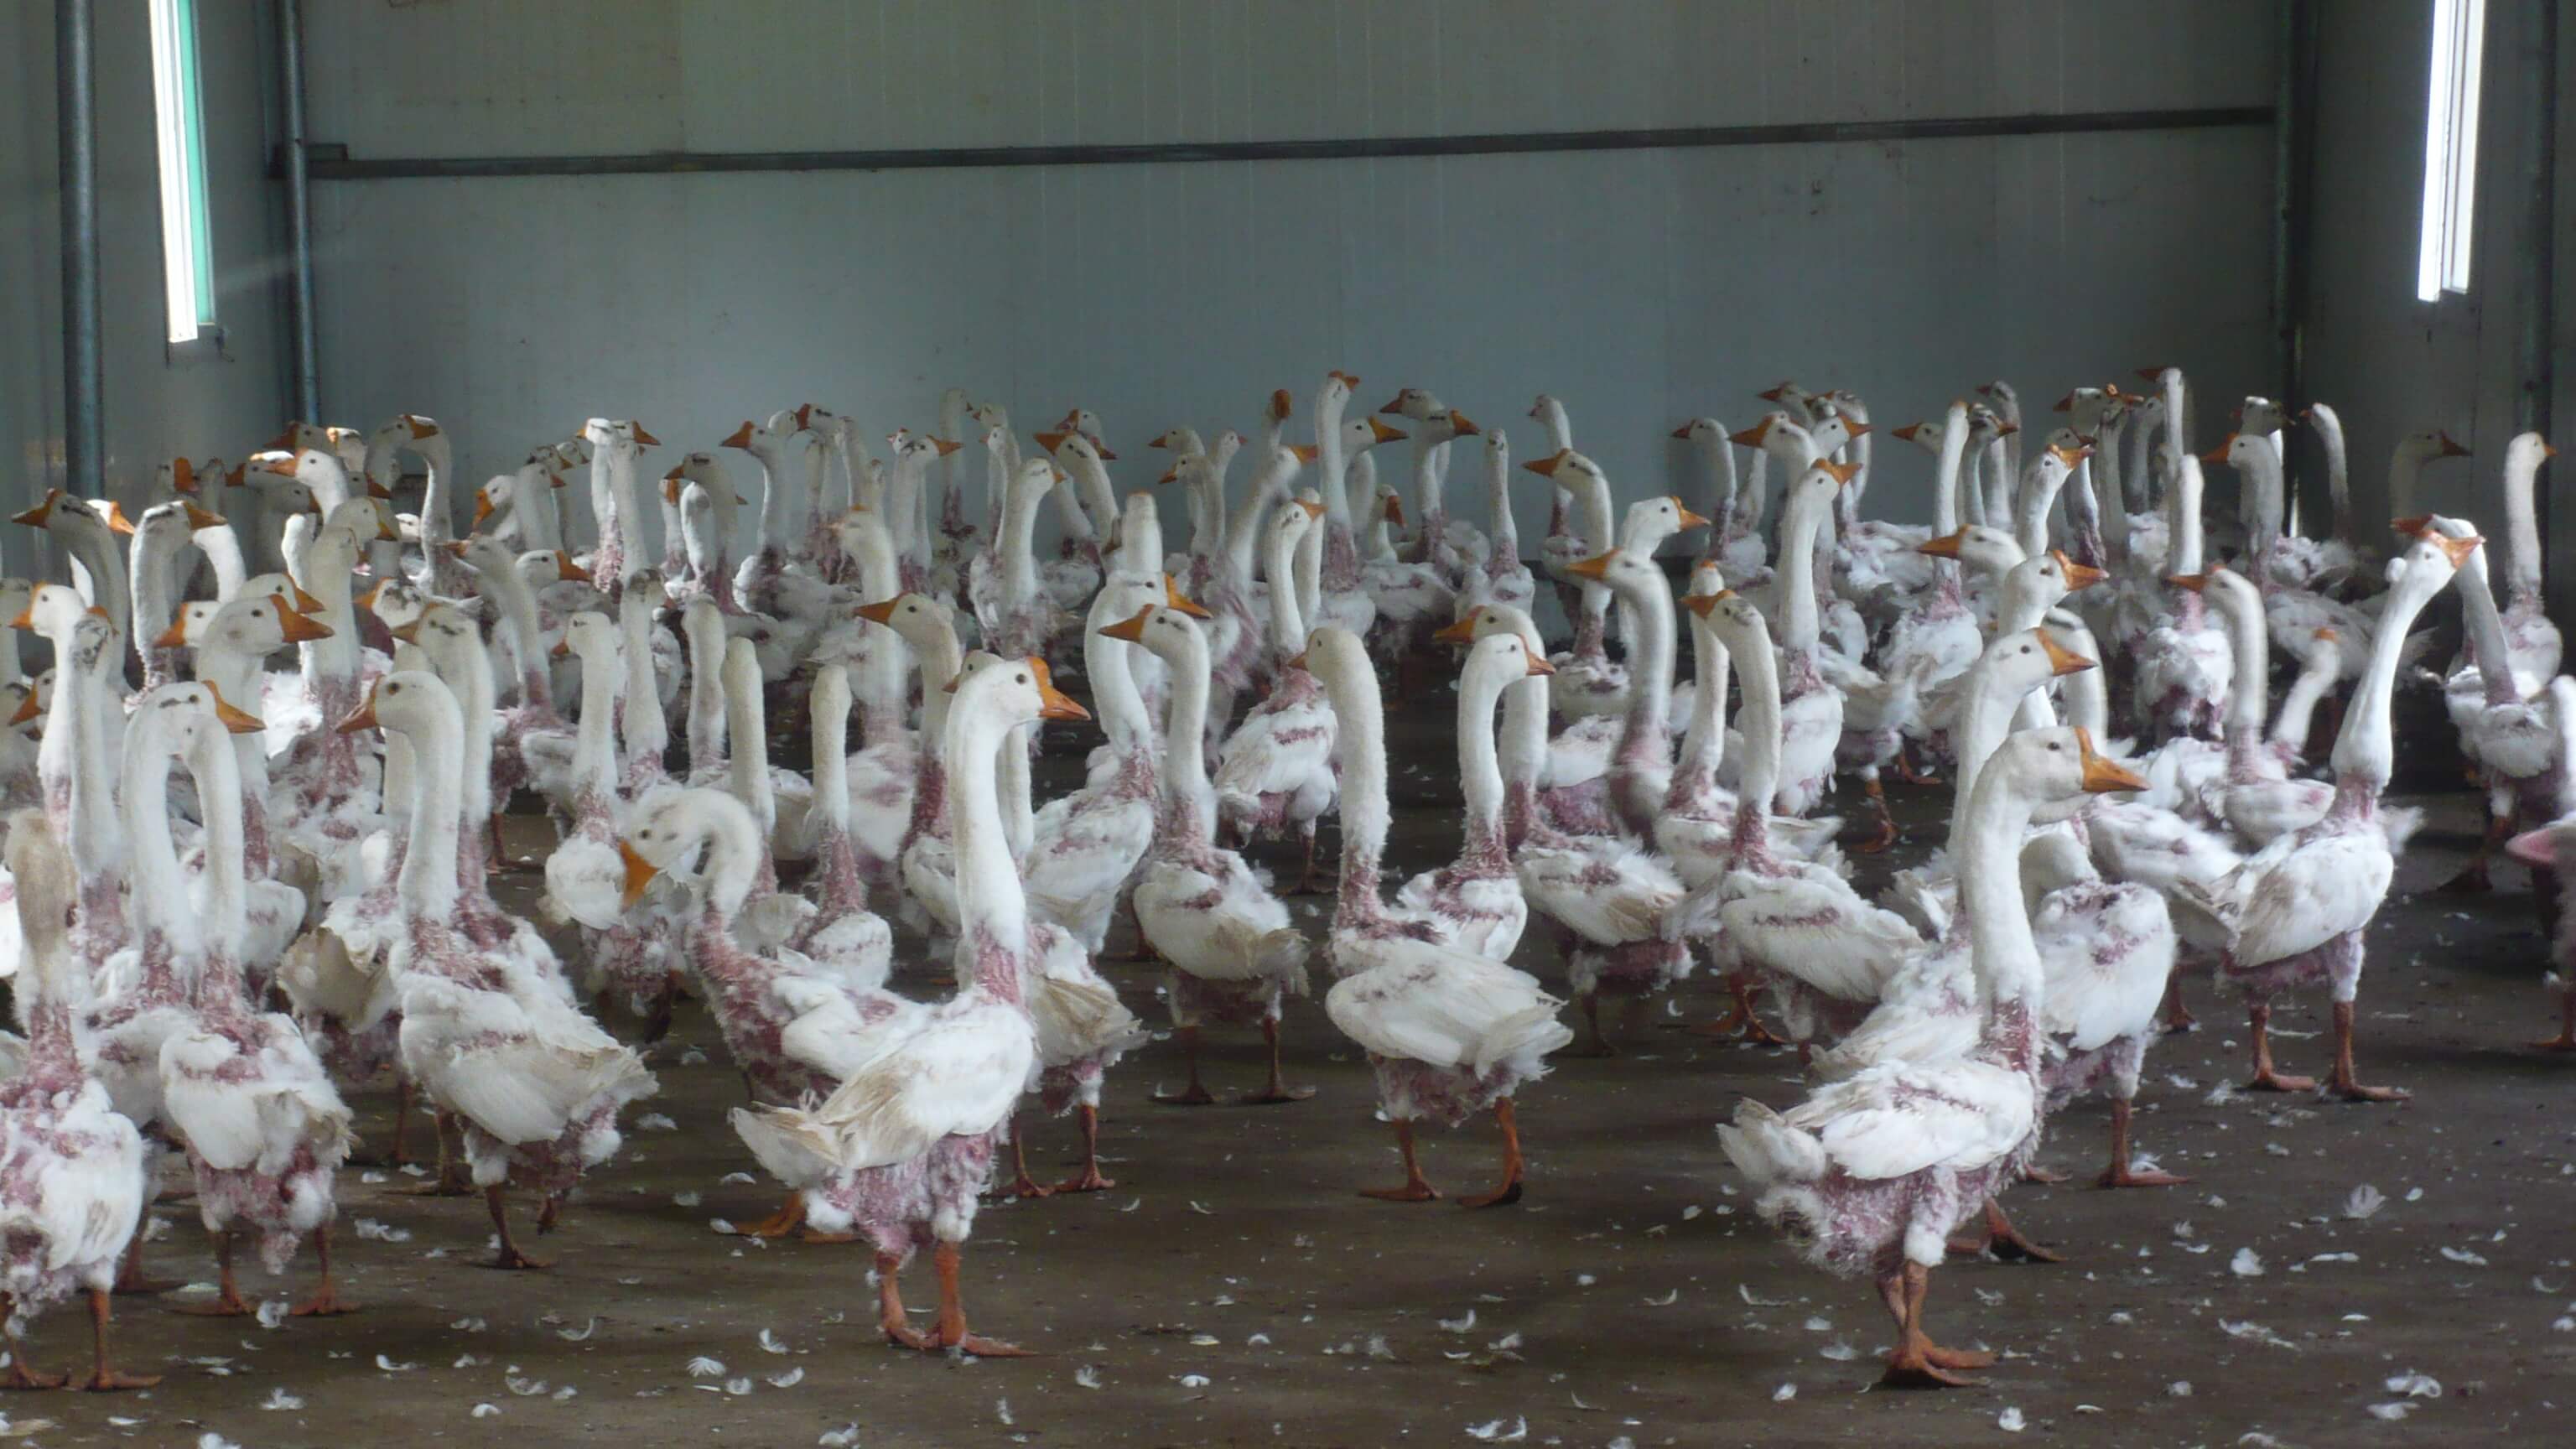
220	1120
959	1075
2108	951
1811	924
838	1032
1894	1120
1275	751
1609	893
1444	1008
2296	895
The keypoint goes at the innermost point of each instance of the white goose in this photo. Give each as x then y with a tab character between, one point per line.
1448	1033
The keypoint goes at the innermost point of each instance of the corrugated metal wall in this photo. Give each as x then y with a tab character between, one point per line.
153	408
1642	287
2394	364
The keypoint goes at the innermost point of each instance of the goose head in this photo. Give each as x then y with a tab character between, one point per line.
2057	766
54	610
543	568
1779	435
1084	423
186	477
1990	551
917	620
589	636
1415	403
2240	451
2526	453
1569	470
2017	663
1704	432
2084	407
2419	448
2055	574
1817	484
1333	396
1650	521
623	438
1164	630
2259	414
835	430
1924	435
1483	620
1183	440
921	449
1625	572
667	834
1497	661
253	626
413	703
398	603
193	701
1732	618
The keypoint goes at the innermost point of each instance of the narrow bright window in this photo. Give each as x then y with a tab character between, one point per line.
2451	147
187	253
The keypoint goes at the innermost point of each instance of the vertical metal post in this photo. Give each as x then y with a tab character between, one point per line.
76	122
299	210
2537	45
2293	158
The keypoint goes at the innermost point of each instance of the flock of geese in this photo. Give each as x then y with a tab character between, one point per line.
241	891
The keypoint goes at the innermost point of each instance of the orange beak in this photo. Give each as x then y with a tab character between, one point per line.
408	633
2458	548
1946	546
1595	568
1538	664
174	637
1843	472
2101	776
566	571
947	446
1689	519
1383	433
1463	425
645	438
1173	599
199	518
297	628
1171	474
1546	467
117	522
2078	576
240	722
361	718
304	603
1393	404
1282	406
1395	510
639	874
1313	509
2065	404
483	505
366	601
2193	582
1907	432
1132	630
2451	447
880	612
1306	452
28	708
1051	440
1052	702
1461	630
1751	437
1703	604
1683	432
2061	660
805	415
2219	453
739	437
455	548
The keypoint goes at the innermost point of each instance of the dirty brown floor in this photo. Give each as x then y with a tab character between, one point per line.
1232	1289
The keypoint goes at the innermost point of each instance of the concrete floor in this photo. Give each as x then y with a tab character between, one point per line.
1231	1290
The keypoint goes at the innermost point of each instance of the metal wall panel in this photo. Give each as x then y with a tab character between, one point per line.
1642	286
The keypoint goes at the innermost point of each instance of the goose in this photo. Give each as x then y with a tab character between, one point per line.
2294	614
2407	461
616	446
2529	634
163	531
1088	843
1811	716
1232	953
1476	902
80	1163
1017	613
843	935
2510	738
2553	847
767	442
90	543
650	681
1412	599
1797	925
796	1029
2183	667
1501	578
1871	1174
1075	571
698	503
897	1152
1276	772
1587	682
2295	912
1450	545
535	1084
1448	1033
1739	554
265	1130
585	876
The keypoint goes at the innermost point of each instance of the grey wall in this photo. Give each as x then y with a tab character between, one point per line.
154	408
2393	364
1643	287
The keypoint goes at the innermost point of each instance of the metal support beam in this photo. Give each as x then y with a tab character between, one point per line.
76	122
332	164
2535	346
2293	212
299	210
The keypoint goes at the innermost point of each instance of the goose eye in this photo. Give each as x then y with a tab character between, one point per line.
393	689
1020	679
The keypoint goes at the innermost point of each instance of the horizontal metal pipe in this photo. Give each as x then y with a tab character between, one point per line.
328	163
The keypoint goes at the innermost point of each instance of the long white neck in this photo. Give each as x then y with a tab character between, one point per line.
2040	483
1988	852
1109	666
1019	543
773	508
904	513
1019	820
223	551
2522	564
438	466
1945	478
160	888
1244	522
1362	743
2185	522
428	886
1332	462
1717	456
2488	644
224	901
2365	750
1207	511
1310	571
2102	475
2088	698
1800	526
1480	770
941	656
1757	722
2299	701
468	671
155	553
647	734
594	744
750	757
1985	720
612	499
704	630
2246	635
1099	497
1287	623
1506	533
736	850
2329	426
506	587
2266	507
1648	727
830	709
1704	742
990	901
1189	802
